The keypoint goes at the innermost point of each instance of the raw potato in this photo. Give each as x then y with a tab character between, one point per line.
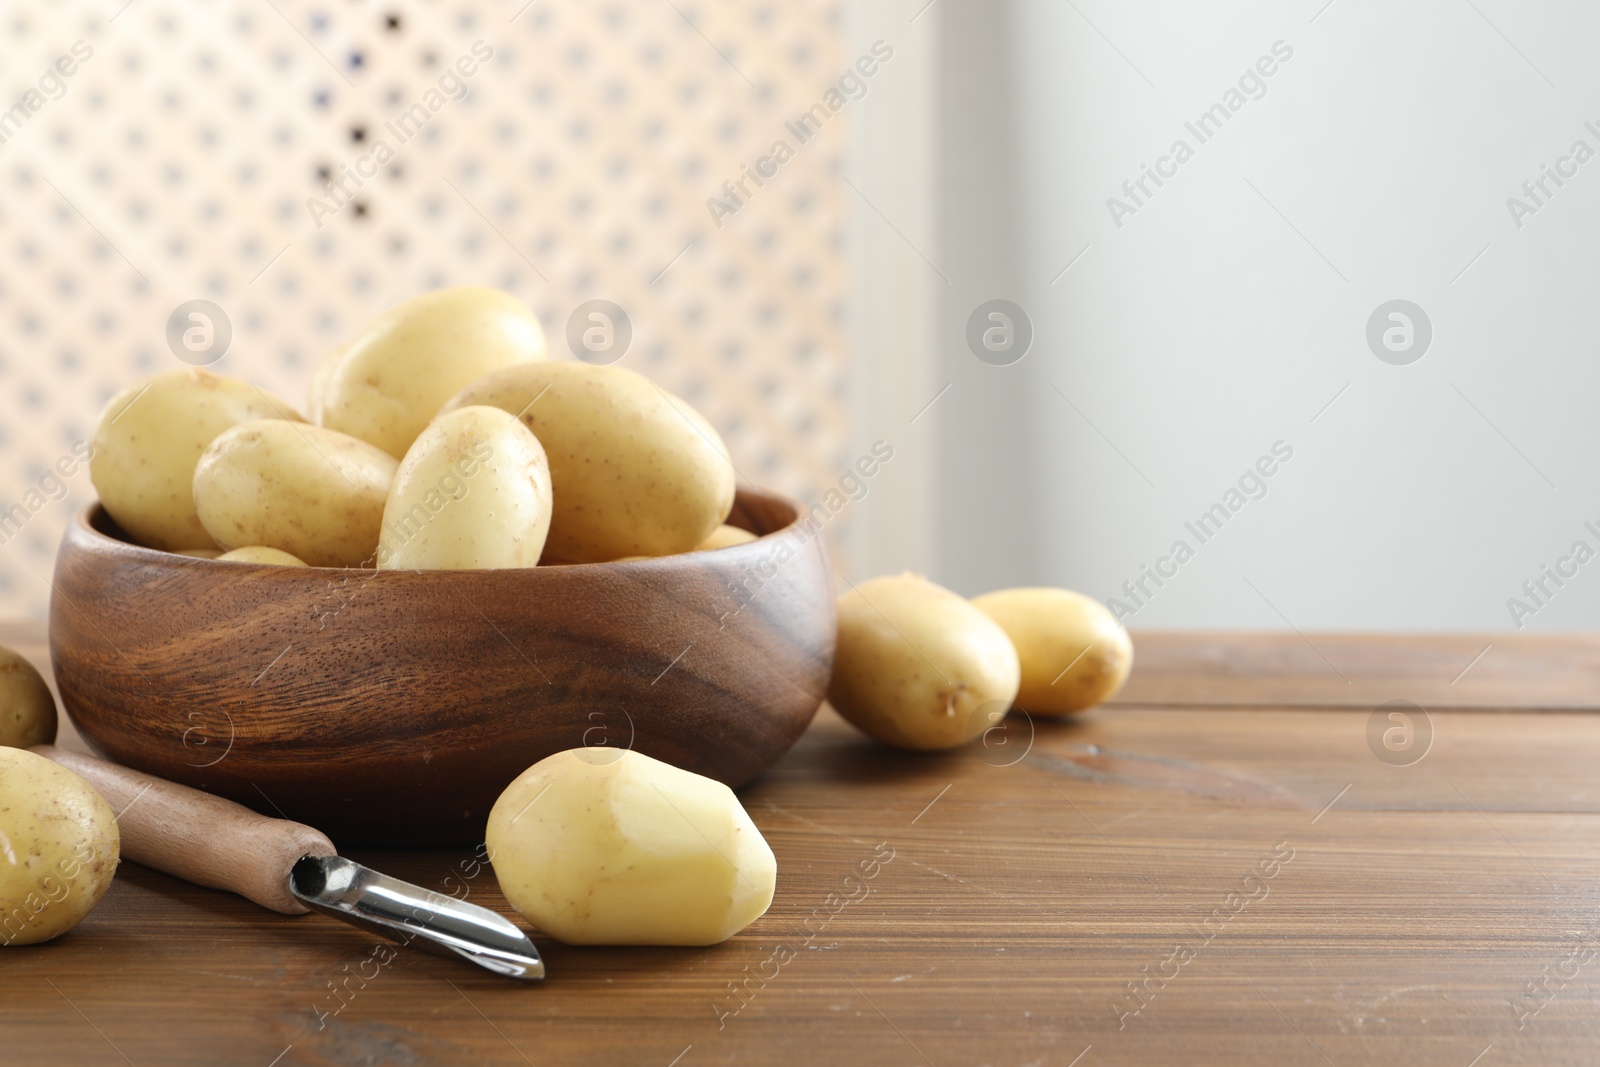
472	494
1073	652
200	553
27	708
725	536
604	846
918	666
262	554
149	439
305	490
60	848
387	384
635	471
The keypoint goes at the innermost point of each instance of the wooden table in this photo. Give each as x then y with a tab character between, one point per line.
1220	869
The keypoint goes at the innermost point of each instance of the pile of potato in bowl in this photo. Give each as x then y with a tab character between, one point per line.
441	438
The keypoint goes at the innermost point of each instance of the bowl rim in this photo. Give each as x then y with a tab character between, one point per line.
87	520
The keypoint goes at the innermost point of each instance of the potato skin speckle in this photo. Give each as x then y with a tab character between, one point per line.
306	490
1074	653
149	440
387	384
635	471
473	493
27	707
59	848
918	666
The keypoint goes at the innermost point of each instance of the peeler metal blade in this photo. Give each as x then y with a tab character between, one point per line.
412	915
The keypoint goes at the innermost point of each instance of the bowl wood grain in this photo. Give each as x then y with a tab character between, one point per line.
392	708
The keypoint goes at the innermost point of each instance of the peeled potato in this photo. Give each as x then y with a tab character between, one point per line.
725	536
262	554
604	846
635	471
305	490
149	439
1074	653
386	385
473	493
59	847
918	666
27	708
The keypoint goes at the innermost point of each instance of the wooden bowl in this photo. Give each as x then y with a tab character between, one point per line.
392	708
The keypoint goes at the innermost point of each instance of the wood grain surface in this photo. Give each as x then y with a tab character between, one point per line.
1308	903
393	707
1555	672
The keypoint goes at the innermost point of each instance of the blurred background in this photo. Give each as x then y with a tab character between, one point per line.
1238	315
186	159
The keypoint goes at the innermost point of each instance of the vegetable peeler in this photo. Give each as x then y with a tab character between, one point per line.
290	868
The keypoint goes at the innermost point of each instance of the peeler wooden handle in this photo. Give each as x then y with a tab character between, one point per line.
198	837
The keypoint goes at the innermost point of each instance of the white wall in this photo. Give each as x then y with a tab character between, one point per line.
1228	311
891	203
